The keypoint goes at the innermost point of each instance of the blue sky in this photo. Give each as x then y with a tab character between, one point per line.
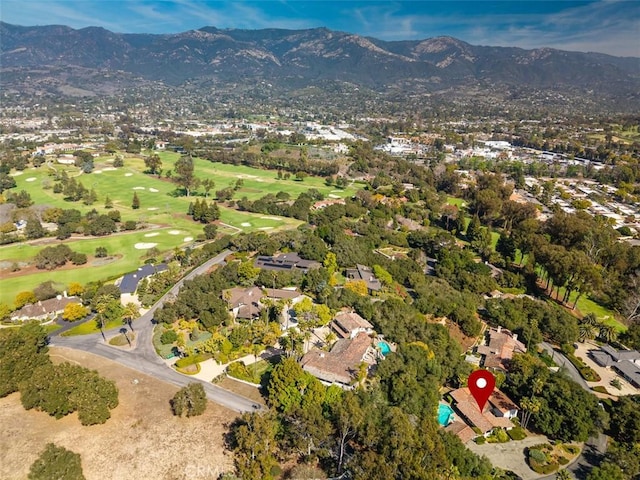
607	26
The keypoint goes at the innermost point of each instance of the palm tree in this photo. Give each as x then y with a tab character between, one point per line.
123	331
330	337
131	311
306	336
101	306
256	348
530	406
587	332
607	332
563	475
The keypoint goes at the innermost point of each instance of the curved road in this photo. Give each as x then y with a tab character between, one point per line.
143	356
594	448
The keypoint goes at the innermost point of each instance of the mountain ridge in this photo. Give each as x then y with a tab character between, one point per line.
311	55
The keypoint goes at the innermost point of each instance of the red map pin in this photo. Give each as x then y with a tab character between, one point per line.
481	384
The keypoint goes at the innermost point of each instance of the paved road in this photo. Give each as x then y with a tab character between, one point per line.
595	448
562	361
143	356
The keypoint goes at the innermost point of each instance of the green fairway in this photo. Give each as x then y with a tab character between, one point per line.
458	202
162	213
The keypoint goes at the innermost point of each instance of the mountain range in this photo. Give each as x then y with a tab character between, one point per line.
305	57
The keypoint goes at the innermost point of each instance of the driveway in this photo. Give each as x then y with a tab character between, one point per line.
563	362
596	446
607	374
510	455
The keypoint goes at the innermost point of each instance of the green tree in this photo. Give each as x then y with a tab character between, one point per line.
153	163
207	184
189	401
34	229
131	311
135	202
256	446
57	463
347	417
331	263
606	471
22	350
184	173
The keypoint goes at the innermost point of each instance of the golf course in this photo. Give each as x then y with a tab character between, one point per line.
163	223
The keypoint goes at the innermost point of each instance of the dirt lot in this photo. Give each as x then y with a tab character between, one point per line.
142	440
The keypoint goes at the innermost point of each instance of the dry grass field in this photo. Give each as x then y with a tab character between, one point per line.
142	440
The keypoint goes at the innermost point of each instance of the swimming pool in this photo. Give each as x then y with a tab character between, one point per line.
384	347
445	414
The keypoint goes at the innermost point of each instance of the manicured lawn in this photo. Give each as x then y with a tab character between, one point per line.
90	326
586	306
458	202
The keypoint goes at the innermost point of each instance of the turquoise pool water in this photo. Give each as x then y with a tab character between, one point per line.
445	414
384	347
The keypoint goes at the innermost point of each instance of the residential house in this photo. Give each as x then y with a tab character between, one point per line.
500	345
44	310
129	283
625	362
341	365
350	324
245	303
460	429
320	204
285	262
502	406
362	272
486	420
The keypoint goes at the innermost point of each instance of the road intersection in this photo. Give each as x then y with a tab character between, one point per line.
142	356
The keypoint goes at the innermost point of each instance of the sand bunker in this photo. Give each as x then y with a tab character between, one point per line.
31	179
265	228
16	174
154	190
139	188
331	195
188	239
109	169
152	208
128	174
152	234
245	224
174	232
97	171
270	218
144	246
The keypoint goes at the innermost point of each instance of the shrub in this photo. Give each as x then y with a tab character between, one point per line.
78	258
186	361
501	436
599	389
537	455
168	337
517	433
572	449
57	462
480	440
189	401
563	460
